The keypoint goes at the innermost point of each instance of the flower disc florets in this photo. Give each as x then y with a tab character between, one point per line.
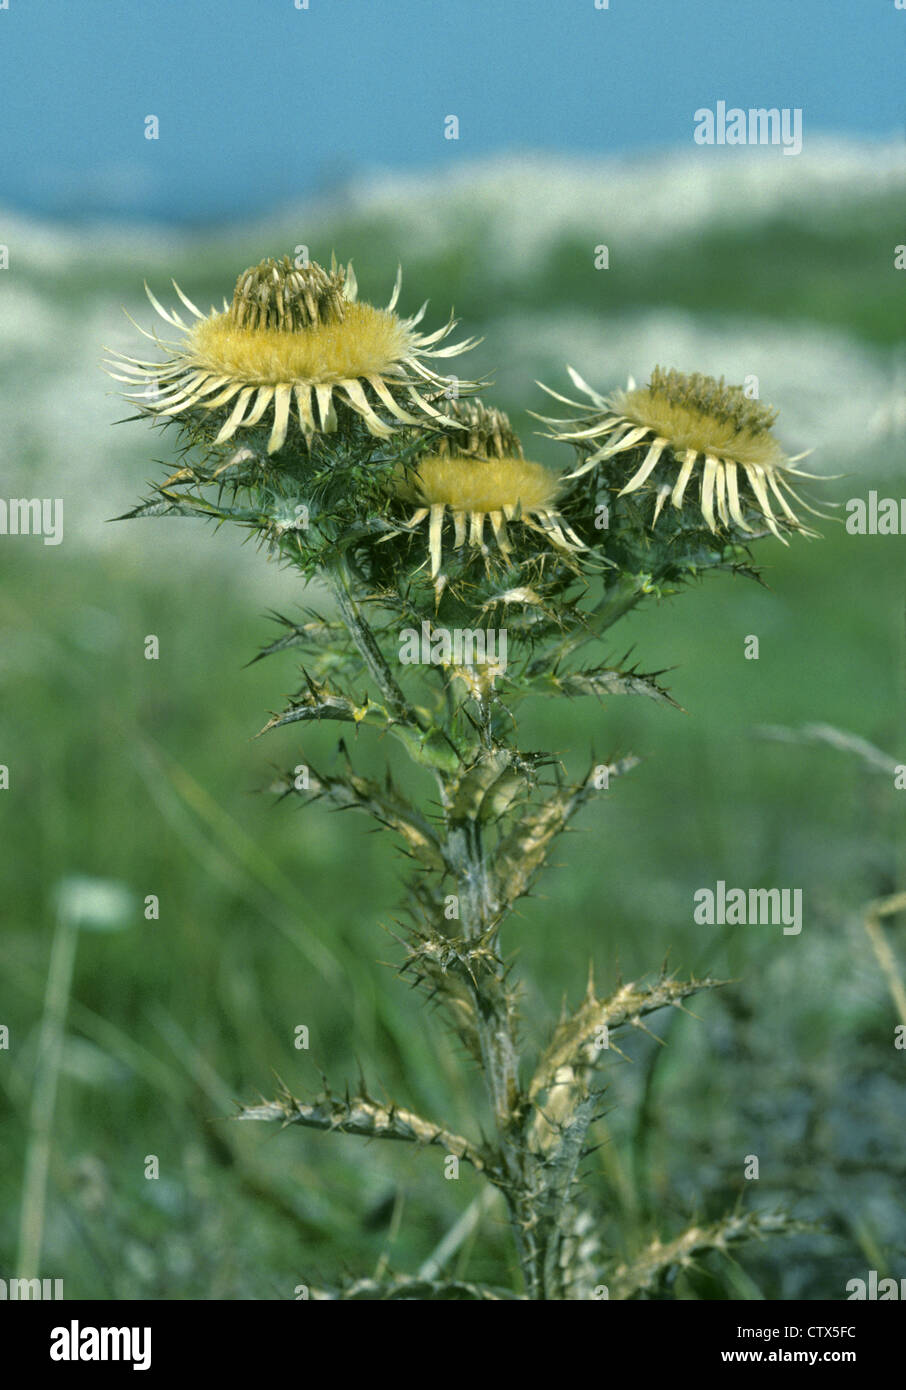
477	474
295	338
683	421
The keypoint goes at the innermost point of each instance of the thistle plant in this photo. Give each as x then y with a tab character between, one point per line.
464	578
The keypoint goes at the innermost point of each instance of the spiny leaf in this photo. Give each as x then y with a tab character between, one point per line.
362	1116
599	681
644	1273
159	508
461	975
318	702
430	748
574	1045
386	806
472	959
522	853
469	790
311	635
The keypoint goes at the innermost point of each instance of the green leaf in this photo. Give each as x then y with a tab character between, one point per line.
320	703
313	635
599	681
429	748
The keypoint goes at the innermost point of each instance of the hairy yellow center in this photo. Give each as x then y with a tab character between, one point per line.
366	342
479	485
686	425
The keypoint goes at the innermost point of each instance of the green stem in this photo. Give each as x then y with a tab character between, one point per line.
499	1053
368	647
618	599
466	856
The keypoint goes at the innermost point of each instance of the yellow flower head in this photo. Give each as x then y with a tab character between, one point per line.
685	421
294	336
478	474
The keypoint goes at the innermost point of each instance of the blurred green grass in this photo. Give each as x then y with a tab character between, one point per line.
147	772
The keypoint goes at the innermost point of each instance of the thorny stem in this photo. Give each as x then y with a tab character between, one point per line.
465	853
367	645
494	1024
618	599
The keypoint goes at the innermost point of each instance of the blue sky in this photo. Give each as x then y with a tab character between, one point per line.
259	102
